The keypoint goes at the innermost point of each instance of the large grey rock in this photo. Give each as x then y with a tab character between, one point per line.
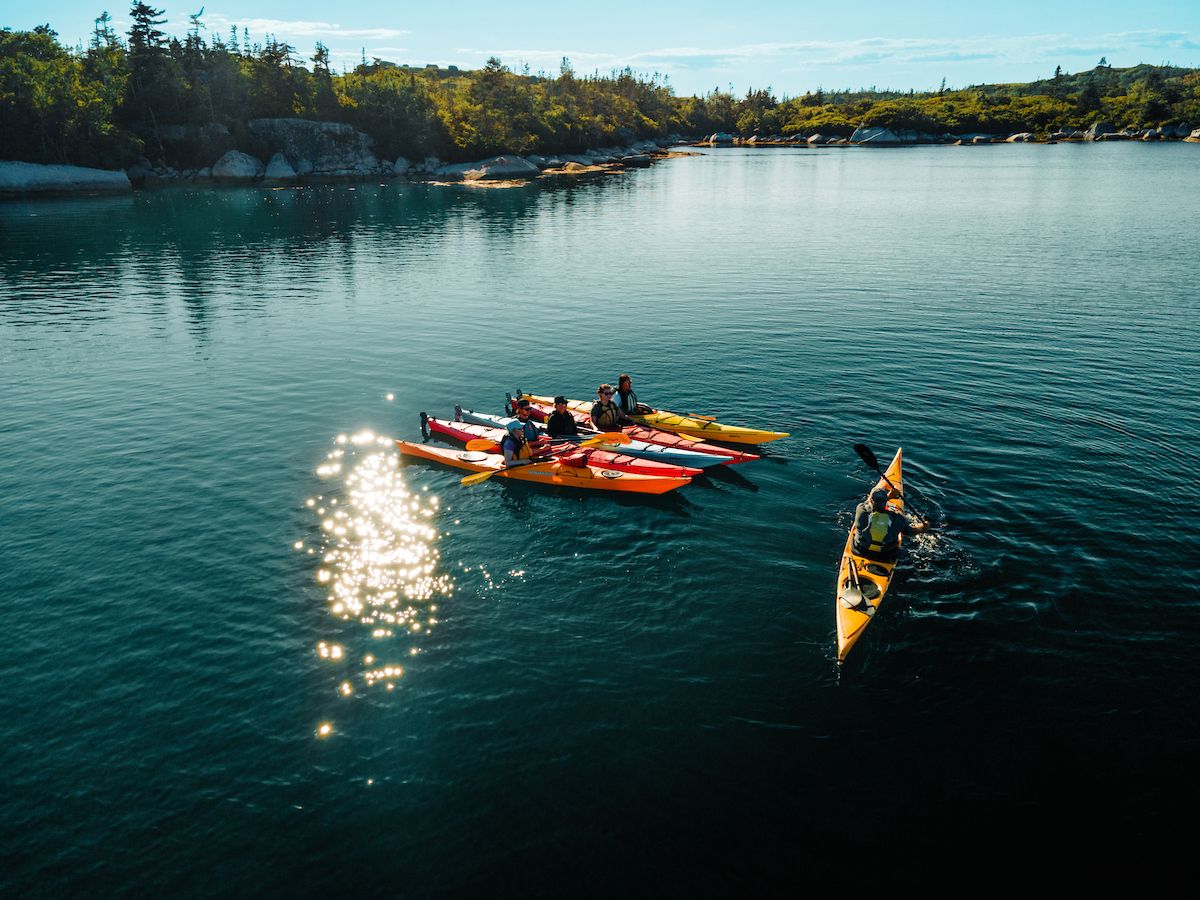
22	178
1023	137
874	135
1098	128
237	166
721	137
332	148
401	166
817	139
494	169
1194	137
279	169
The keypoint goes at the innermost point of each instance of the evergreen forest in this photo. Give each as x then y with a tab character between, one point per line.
105	104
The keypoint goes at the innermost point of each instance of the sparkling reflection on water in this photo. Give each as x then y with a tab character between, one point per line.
377	545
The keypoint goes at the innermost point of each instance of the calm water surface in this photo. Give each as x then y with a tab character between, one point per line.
249	653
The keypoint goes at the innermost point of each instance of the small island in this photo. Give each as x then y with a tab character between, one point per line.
148	110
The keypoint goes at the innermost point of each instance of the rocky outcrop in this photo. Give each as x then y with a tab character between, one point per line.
1194	137
22	179
1096	129
316	148
279	169
1023	137
237	167
498	168
875	136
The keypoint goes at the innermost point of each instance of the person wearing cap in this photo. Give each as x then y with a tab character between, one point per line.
524	413
606	415
627	399
515	445
561	423
877	529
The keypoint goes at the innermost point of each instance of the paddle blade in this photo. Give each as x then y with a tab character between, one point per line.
867	456
607	437
483	444
477	477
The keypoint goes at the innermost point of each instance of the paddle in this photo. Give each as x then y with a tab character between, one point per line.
869	458
853	597
608	437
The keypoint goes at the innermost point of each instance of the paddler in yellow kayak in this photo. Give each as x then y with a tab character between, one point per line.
878	529
627	399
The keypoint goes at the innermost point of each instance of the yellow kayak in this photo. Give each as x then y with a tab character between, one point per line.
693	426
859	577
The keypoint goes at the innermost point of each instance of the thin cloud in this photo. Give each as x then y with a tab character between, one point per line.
300	28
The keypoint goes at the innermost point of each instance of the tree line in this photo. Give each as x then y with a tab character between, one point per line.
106	104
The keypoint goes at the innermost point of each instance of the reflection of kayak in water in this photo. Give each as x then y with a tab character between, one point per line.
569	452
862	582
552	472
695	426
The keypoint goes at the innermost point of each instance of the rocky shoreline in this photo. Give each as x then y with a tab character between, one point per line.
281	152
887	137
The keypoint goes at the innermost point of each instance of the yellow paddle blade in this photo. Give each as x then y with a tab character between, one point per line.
483	444
478	477
608	437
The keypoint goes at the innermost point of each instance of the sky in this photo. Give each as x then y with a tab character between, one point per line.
787	47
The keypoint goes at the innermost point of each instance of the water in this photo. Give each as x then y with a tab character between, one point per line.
547	693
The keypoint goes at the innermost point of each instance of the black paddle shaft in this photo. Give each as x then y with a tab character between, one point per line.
868	457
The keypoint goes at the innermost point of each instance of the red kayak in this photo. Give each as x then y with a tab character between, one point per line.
566	451
652	436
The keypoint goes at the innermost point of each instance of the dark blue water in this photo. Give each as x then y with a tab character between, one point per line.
409	688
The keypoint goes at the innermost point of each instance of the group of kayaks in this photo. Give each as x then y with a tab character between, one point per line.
663	451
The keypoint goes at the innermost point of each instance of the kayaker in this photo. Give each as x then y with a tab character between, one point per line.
606	415
515	446
560	422
524	414
878	529
627	399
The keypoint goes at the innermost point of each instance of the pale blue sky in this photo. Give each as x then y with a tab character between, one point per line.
791	47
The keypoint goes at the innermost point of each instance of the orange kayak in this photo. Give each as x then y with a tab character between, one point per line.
862	583
551	473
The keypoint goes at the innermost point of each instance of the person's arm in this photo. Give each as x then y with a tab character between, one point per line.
909	527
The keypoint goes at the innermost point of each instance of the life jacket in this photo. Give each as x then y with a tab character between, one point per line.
518	449
879	534
606	419
879	524
628	402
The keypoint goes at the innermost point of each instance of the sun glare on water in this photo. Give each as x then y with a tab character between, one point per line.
379	562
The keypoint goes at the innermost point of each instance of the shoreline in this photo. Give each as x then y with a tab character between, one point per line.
24	180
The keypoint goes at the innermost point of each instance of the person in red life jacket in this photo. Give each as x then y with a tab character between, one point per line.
606	415
877	529
561	423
